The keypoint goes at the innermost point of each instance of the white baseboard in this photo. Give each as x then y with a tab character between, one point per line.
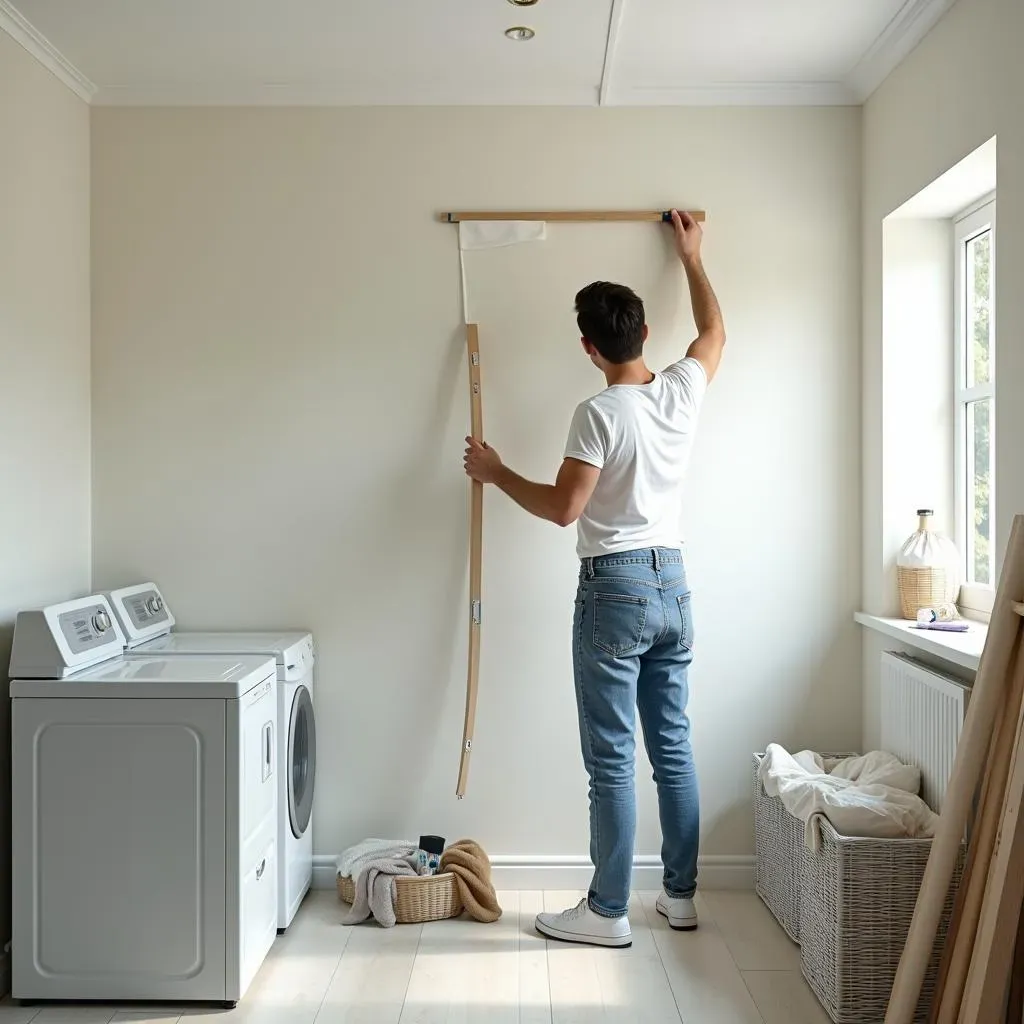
510	871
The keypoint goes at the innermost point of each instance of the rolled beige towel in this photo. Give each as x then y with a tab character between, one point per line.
471	867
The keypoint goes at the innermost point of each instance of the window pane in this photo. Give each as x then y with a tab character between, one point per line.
979	491
979	301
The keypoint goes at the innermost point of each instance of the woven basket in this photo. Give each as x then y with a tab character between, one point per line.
921	588
855	913
778	840
417	899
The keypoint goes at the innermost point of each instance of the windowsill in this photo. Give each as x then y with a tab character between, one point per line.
963	649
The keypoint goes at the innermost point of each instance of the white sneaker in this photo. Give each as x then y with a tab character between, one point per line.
681	913
581	924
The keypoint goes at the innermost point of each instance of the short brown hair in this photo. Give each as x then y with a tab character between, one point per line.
611	317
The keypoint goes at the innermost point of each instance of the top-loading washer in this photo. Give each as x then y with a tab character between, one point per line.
148	625
144	806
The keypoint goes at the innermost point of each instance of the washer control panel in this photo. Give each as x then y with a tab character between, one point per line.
86	628
142	613
61	639
145	609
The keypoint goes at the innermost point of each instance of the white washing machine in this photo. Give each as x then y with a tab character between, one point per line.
144	815
147	623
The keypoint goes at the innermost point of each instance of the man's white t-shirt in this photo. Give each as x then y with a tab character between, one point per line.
640	437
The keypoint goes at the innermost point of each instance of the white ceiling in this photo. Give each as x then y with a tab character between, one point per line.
616	52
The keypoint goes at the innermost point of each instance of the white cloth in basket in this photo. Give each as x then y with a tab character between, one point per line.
373	865
375	890
873	795
355	858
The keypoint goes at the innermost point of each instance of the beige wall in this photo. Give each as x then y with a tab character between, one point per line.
280	400
44	364
959	88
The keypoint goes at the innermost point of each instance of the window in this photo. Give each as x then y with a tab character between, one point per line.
974	261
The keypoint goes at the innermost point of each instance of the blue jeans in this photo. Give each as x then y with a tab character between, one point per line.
632	648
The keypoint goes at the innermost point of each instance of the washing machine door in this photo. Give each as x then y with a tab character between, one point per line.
301	761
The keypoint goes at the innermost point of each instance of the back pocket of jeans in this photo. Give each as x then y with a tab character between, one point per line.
619	621
685	622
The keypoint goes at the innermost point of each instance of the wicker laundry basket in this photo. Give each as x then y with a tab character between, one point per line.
857	902
417	899
778	840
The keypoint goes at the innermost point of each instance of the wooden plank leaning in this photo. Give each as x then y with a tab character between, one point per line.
992	956
990	690
967	909
476	527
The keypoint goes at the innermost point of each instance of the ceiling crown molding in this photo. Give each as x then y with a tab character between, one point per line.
339	94
737	94
911	23
22	31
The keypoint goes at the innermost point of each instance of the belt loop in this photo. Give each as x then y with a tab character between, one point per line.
590	567
657	560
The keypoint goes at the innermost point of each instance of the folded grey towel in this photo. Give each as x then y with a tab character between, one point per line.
375	890
351	862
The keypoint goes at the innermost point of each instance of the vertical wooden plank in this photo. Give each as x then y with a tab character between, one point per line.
990	690
992	956
1015	1004
967	909
476	527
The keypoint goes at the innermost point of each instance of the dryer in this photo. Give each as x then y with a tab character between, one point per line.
148	626
144	815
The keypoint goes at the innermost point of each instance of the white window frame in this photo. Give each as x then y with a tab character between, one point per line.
975	598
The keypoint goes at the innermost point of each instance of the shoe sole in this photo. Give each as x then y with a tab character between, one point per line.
679	927
593	940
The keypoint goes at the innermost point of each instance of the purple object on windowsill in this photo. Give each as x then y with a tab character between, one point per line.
945	627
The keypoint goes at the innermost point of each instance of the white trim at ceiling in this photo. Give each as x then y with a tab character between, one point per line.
911	23
739	94
22	31
432	94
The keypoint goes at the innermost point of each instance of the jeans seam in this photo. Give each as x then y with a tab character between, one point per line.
681	600
679	896
664	619
631	580
636	561
601	912
645	553
588	753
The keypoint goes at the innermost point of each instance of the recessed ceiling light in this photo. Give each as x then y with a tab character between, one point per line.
520	33
522	3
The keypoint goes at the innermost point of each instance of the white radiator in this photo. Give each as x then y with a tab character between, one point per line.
922	715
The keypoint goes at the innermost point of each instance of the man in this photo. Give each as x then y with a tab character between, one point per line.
621	482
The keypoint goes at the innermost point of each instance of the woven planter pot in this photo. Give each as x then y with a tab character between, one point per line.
417	899
921	588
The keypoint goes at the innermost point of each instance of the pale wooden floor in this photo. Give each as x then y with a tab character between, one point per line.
738	968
